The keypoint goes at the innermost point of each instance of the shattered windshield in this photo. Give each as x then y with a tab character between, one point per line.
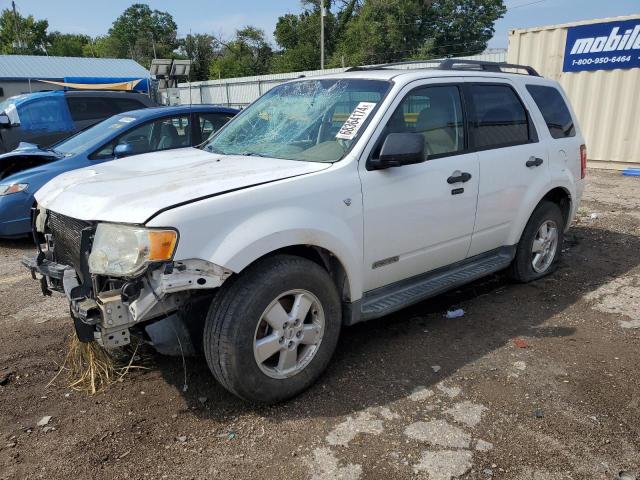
312	120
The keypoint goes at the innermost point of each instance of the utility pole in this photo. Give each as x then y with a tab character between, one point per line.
15	25
321	34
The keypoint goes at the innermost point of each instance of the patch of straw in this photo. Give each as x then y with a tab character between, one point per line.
91	368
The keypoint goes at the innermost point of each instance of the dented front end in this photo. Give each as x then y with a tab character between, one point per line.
107	308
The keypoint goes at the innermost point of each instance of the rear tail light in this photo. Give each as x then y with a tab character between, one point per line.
583	161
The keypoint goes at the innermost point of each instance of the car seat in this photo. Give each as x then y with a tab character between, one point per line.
169	137
436	124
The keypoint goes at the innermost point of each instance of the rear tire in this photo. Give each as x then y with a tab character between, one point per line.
540	245
272	331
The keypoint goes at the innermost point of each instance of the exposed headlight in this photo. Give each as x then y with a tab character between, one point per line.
123	250
9	188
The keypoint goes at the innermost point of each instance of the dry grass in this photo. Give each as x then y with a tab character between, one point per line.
90	368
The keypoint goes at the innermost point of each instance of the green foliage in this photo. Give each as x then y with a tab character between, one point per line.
67	44
247	54
463	27
382	31
299	35
101	47
22	35
201	50
144	34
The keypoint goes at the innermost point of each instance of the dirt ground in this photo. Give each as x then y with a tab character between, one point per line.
534	382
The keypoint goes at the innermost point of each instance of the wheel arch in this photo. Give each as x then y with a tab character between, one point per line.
561	196
322	257
330	254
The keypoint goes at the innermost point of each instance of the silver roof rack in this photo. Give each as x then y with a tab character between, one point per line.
459	64
454	64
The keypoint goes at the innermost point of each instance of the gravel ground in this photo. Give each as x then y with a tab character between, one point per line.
534	382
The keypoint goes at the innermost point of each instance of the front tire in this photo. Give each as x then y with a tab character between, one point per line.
272	331
540	245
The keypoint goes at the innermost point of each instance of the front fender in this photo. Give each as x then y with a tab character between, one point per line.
255	238
233	230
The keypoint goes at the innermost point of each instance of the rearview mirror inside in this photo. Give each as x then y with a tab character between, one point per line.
399	149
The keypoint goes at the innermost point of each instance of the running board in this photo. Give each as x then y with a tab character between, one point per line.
391	298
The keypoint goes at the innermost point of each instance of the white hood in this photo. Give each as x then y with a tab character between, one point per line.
132	189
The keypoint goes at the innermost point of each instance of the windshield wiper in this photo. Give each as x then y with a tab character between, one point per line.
253	154
53	150
211	149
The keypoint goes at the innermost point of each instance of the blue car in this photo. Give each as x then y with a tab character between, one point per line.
27	168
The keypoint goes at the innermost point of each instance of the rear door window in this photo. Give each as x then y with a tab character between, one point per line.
497	117
89	108
554	110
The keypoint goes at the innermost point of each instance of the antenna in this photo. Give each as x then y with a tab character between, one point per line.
15	26
322	14
189	82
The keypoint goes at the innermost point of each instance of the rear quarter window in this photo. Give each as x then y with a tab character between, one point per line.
88	108
554	110
126	104
45	114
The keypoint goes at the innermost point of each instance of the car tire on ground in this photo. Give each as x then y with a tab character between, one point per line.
540	245
272	330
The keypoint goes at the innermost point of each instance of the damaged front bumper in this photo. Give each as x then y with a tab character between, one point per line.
108	316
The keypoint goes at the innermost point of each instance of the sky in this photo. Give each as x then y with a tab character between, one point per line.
223	17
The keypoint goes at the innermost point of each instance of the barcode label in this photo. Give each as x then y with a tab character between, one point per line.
350	127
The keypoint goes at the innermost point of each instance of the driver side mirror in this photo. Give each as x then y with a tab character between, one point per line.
123	150
399	149
5	121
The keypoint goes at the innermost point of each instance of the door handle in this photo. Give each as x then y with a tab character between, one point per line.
463	177
534	162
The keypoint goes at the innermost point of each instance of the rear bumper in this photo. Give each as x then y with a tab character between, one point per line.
575	203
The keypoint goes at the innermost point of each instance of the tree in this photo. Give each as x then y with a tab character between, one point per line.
381	31
464	27
105	46
299	37
247	54
22	35
143	34
67	44
201	50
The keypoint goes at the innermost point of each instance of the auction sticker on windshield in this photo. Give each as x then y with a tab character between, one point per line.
350	127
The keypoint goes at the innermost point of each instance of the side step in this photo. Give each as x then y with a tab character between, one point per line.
385	300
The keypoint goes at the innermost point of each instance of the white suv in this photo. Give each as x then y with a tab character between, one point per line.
328	201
